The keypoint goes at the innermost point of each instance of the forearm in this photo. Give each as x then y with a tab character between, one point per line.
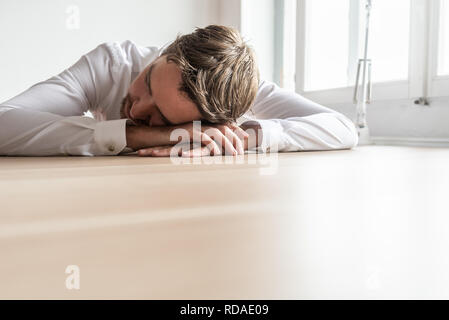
291	122
142	137
33	133
254	131
324	131
139	137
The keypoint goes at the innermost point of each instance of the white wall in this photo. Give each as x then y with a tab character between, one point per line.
256	21
230	13
39	39
258	17
402	121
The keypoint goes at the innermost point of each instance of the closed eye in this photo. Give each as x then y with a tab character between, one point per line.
148	82
167	122
148	79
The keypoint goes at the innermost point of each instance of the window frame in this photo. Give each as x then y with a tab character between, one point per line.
422	81
438	85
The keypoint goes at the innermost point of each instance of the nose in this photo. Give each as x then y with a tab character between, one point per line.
137	111
141	113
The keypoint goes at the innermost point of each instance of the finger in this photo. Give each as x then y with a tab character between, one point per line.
158	151
239	131
169	151
242	134
226	145
197	152
145	152
211	145
244	137
162	152
236	141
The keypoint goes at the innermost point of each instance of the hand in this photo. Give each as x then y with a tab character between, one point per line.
207	140
166	151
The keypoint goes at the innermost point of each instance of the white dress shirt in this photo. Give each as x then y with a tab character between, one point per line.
48	118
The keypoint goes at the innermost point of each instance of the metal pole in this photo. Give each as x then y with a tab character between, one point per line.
365	63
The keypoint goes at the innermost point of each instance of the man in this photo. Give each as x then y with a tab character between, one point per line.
141	97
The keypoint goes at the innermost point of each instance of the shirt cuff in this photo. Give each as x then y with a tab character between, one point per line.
110	136
271	135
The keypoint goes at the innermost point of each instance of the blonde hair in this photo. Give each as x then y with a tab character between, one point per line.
219	71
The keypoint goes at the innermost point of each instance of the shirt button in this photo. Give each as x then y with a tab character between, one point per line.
111	148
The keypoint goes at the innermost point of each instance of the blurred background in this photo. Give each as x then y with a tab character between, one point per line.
309	46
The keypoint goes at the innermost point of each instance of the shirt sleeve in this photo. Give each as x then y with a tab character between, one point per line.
47	119
290	122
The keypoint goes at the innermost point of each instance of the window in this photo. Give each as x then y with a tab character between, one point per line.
438	70
328	30
408	46
389	39
285	46
327	47
443	52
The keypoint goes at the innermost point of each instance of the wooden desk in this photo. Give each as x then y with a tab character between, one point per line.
368	223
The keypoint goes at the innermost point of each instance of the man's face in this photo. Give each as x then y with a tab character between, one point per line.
154	98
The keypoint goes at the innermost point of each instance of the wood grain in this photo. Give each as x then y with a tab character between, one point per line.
365	223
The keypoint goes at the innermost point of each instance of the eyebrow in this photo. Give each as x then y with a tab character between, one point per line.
148	82
148	78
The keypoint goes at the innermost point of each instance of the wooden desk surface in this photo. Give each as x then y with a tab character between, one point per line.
368	223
